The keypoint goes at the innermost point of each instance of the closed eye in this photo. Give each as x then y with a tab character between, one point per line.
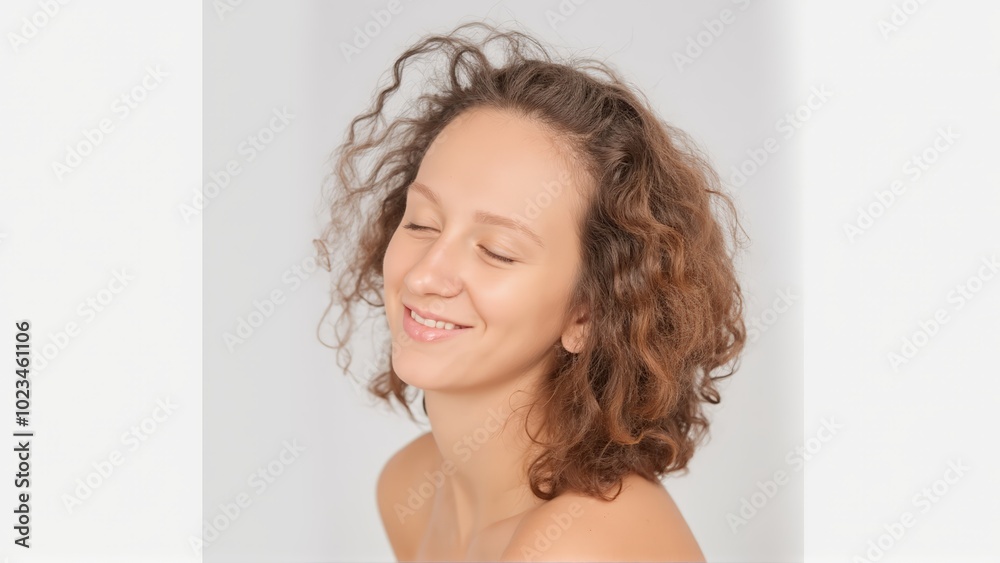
497	257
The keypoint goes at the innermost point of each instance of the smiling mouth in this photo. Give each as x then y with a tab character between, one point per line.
430	323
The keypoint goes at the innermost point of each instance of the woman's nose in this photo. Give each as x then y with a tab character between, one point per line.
437	271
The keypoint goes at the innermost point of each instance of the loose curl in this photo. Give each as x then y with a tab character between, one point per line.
658	276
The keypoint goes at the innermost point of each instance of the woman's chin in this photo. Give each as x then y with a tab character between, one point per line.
416	376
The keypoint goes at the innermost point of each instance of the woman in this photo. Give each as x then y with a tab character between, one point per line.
556	284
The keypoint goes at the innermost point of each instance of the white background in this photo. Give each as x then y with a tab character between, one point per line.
827	358
62	243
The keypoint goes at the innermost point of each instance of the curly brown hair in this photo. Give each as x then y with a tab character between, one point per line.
658	275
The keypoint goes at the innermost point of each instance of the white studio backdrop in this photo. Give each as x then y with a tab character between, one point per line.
858	141
102	120
903	296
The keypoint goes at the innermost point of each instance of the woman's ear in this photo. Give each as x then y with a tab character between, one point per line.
575	334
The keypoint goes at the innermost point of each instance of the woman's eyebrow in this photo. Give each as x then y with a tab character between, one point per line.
484	217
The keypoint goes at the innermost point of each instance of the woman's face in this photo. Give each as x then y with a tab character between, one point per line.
488	242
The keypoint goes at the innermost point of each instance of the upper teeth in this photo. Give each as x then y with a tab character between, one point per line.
430	323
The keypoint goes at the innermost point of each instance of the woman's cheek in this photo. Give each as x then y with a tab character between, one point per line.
391	262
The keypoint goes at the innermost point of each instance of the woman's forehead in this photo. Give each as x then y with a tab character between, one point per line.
502	158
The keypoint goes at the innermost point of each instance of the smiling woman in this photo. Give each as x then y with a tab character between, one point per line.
543	246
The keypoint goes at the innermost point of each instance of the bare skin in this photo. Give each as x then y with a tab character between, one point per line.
460	492
641	524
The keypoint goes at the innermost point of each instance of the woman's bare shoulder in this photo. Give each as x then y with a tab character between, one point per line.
642	523
403	496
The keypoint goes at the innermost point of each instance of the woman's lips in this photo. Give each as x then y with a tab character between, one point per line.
424	333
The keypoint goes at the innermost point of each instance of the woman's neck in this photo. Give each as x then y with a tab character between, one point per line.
485	451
